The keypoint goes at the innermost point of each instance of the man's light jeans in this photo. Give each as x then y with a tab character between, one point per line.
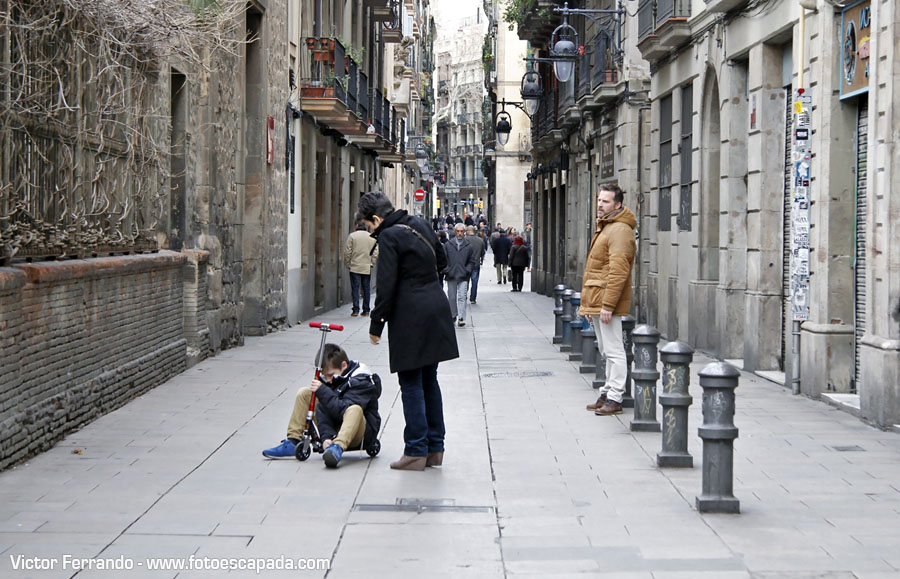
456	294
611	343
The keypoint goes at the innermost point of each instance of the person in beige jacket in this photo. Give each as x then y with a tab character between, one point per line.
606	291
360	255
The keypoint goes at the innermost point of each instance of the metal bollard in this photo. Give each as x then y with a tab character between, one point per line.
567	317
558	312
588	349
718	432
627	329
577	327
675	399
646	339
600	375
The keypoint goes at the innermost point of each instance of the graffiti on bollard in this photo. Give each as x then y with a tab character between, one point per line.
718	432
645	374
675	400
627	329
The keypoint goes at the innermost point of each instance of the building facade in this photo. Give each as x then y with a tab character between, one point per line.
362	73
775	206
506	166
459	120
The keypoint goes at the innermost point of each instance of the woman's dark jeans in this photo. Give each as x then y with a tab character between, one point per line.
423	410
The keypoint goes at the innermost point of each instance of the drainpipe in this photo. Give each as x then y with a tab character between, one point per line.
640	196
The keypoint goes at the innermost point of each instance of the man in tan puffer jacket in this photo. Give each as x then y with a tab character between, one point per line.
360	254
606	291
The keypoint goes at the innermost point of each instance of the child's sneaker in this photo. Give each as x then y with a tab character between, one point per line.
284	450
332	455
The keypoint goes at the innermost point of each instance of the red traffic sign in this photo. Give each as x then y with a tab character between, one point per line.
420	194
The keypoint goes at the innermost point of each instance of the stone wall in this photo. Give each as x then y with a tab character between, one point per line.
80	338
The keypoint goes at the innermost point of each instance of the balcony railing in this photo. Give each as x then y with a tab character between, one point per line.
378	112
363	96
583	75
352	86
386	119
480	182
669	9
646	18
604	66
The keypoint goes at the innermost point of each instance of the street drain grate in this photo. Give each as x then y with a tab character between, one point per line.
424	506
515	374
854	448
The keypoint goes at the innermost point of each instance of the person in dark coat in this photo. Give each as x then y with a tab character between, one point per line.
410	302
501	246
519	259
461	262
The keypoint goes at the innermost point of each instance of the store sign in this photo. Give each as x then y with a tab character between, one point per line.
607	156
856	29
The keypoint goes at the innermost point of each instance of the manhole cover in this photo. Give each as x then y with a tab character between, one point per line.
515	374
853	448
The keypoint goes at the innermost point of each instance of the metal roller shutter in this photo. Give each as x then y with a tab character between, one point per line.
859	298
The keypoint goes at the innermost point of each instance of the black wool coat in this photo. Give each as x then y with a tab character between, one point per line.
461	259
501	247
409	298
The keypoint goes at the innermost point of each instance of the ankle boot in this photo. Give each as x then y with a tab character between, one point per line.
409	463
435	458
598	404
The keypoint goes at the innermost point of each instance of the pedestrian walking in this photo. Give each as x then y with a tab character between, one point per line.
501	246
359	255
461	261
519	259
606	291
412	304
477	242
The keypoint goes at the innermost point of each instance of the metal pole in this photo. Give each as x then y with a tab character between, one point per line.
675	400
718	432
646	339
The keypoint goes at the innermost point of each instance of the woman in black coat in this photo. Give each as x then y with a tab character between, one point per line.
411	302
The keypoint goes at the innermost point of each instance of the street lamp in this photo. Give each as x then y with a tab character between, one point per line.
503	122
531	91
563	51
421	155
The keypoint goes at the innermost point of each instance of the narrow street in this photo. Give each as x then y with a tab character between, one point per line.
532	484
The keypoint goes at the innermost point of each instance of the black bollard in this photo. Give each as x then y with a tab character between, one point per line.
567	317
718	432
627	329
588	349
646	339
675	399
558	312
577	327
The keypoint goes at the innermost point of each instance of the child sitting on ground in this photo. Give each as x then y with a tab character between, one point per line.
346	408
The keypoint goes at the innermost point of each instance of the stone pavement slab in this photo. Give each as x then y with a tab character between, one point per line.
532	484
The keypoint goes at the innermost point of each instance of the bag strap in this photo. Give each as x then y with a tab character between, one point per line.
420	236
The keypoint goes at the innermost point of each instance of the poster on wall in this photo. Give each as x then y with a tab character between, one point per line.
801	155
856	29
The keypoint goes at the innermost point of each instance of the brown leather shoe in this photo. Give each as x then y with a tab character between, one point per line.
598	404
435	459
409	463
609	408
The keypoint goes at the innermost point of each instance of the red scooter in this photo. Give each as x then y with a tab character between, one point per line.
311	441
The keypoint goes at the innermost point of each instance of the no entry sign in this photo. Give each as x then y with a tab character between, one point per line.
420	194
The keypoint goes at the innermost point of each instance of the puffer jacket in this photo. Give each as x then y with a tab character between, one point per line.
357	385
607	272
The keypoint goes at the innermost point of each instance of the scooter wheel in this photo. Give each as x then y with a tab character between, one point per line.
303	451
374	449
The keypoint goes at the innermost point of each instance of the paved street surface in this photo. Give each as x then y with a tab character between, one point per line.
532	484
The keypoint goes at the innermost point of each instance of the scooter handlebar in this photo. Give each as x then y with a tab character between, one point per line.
327	327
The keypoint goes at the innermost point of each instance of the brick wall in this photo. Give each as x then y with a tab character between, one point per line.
81	338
